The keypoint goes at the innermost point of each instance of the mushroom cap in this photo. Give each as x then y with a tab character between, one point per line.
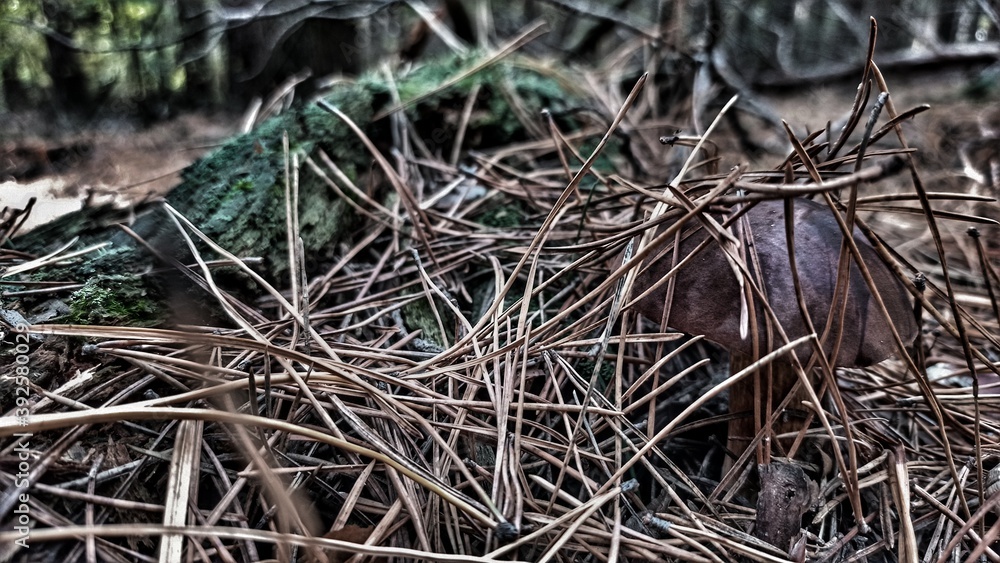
706	298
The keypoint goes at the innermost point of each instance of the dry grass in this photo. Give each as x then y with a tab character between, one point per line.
532	415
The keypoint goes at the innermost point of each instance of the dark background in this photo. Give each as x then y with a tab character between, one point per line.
149	60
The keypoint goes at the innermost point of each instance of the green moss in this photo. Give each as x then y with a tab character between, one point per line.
325	219
419	316
236	195
585	368
246	216
606	161
114	300
493	121
426	78
507	216
243	185
112	258
536	88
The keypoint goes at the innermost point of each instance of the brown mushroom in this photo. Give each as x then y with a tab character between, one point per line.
706	299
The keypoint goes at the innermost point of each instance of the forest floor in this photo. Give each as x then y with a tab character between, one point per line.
117	162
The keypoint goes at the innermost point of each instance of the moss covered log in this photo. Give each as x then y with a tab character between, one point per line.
236	194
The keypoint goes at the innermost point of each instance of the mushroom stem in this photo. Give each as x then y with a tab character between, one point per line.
753	401
743	406
783	493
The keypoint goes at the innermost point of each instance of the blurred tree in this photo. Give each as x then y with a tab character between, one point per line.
69	90
267	42
199	55
142	57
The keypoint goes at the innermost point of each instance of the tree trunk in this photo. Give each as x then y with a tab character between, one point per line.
69	81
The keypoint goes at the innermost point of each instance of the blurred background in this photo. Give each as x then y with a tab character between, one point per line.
150	60
113	97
